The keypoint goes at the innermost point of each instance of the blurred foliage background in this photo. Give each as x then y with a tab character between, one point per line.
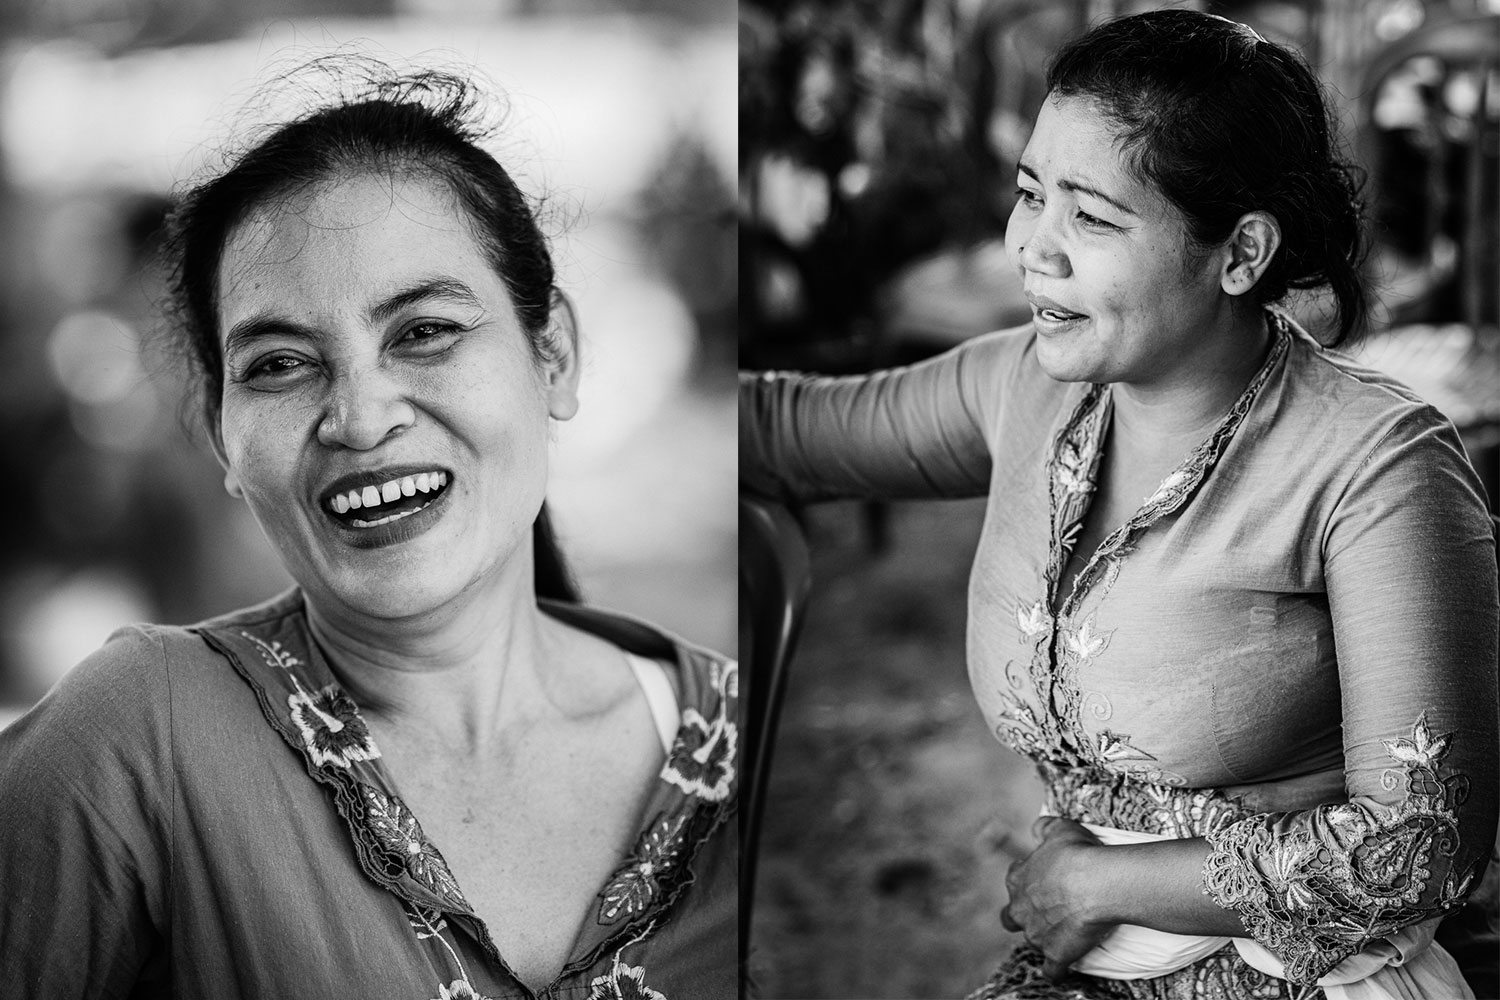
878	149
620	119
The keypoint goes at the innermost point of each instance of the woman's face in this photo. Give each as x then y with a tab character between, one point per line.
1104	259
382	413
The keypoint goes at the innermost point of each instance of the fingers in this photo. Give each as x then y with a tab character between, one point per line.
1057	828
1012	883
1040	827
1007	920
1066	944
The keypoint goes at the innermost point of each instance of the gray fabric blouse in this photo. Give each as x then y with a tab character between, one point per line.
203	813
1290	648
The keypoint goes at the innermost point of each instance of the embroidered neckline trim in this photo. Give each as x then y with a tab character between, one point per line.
1180	483
1056	731
323	725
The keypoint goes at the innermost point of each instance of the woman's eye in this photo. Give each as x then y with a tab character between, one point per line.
272	368
428	336
1028	198
1094	221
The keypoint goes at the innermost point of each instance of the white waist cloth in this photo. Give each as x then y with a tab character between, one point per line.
1404	966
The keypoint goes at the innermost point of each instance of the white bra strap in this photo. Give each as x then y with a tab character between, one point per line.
651	675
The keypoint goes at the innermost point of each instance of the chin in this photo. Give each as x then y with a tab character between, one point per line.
385	596
1064	365
391	605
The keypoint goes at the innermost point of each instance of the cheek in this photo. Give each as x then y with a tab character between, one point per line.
1016	231
515	439
1119	294
1134	278
1111	280
261	441
256	468
503	415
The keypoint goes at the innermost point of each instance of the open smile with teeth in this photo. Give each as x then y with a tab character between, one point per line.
389	501
1058	315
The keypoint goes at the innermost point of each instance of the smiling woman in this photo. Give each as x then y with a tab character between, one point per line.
1118	292
255	806
366	303
1234	595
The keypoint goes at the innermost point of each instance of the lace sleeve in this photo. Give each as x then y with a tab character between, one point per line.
1317	886
1409	566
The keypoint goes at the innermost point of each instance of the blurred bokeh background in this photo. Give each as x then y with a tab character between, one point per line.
877	160
620	118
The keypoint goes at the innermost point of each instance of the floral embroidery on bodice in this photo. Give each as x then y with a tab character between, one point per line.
1062	640
1314	885
697	783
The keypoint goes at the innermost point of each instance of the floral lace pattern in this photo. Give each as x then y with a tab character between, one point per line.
1313	886
1107	798
459	989
1317	886
332	731
301	700
333	734
703	755
426	922
1052	729
638	882
401	837
1221	976
623	982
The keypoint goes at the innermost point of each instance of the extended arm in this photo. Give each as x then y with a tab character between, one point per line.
909	432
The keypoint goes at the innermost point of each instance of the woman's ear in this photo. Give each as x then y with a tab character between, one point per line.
216	442
561	352
1252	245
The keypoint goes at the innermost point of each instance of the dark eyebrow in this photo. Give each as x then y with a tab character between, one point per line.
434	288
1068	185
268	325
254	328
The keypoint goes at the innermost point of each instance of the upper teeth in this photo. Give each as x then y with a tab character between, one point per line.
374	496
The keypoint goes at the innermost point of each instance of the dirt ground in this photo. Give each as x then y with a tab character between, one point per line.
892	813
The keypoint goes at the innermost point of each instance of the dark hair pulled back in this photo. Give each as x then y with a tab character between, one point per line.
1223	122
428	123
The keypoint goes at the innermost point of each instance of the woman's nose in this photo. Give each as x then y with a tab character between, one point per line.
1041	254
365	408
1038	248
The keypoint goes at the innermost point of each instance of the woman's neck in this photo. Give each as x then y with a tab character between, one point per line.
478	666
1188	405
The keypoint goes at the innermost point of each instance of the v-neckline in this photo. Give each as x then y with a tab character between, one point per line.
1073	477
304	702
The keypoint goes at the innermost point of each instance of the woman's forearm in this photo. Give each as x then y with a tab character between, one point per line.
1157	885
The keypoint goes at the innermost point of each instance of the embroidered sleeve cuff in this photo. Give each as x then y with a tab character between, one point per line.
1316	886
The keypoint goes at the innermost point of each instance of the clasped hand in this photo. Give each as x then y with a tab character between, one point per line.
1047	901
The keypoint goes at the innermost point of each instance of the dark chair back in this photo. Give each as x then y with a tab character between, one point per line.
775	574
